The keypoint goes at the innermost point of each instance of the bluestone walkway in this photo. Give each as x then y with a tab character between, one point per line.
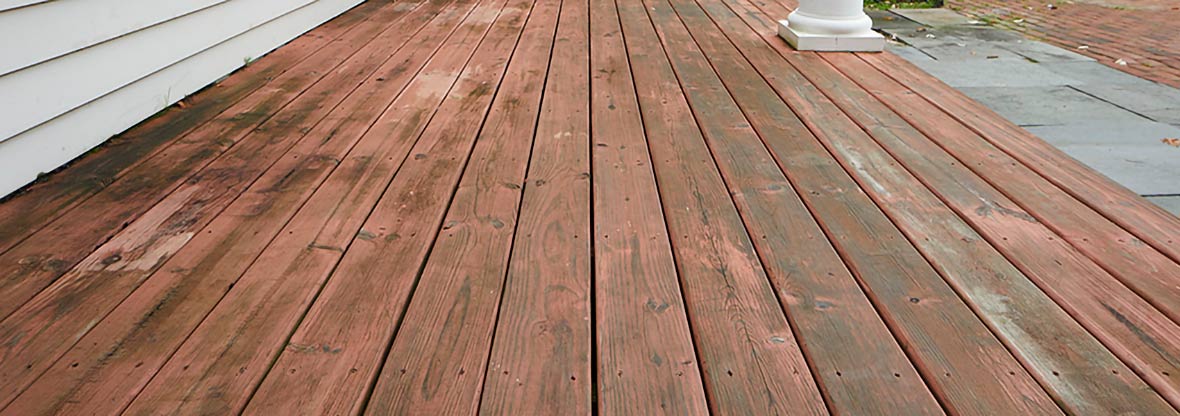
1113	121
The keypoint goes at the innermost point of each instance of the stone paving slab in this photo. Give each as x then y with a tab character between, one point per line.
1111	120
951	43
1157	102
1043	52
1169	203
1092	73
980	32
970	51
925	36
1147	170
924	39
1051	105
996	73
910	54
1170	116
1137	133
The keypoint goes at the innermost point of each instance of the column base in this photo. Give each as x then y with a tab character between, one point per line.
867	41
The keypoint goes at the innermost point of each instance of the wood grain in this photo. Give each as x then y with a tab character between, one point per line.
211	166
749	355
540	359
820	295
1147	221
440	351
1079	371
645	358
1108	309
582	206
180	289
356	315
921	309
1152	275
28	210
263	310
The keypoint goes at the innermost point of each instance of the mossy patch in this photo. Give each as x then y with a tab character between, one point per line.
902	4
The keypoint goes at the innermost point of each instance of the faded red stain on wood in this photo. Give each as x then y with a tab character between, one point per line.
519	207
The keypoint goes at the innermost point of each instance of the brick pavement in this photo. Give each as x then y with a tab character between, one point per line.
1143	34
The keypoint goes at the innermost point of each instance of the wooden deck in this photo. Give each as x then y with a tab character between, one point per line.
567	207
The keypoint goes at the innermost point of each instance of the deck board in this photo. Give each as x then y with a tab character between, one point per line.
813	282
1119	204
219	160
57	195
1046	340
933	324
261	310
646	359
543	332
438	357
175	246
1137	265
581	206
347	333
749	355
1080	286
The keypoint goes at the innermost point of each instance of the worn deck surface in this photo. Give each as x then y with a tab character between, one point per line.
568	206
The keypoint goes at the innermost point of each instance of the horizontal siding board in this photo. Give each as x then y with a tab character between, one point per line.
39	93
62	27
13	4
63	138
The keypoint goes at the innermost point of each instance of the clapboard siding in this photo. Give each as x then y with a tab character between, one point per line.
41	92
53	111
12	4
61	27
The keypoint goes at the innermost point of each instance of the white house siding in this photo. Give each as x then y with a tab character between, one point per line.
73	73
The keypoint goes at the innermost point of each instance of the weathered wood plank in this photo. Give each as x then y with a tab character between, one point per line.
208	374
183	288
352	322
1095	298
645	358
1153	276
928	317
1079	371
750	359
859	366
1142	218
25	212
224	155
440	351
540	359
1082	375
313	262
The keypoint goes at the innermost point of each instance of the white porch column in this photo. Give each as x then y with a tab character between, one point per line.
831	25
